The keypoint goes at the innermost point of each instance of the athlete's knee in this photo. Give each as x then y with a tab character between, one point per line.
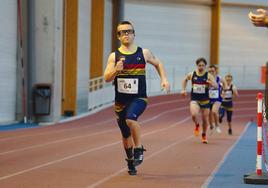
126	134
215	111
131	122
125	130
194	113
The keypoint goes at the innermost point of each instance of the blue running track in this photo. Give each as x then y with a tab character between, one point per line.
241	160
17	126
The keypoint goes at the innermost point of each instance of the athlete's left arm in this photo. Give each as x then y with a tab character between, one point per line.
211	81
151	59
235	91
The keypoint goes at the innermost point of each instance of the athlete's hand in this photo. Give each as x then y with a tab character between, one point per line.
184	93
223	93
260	19
210	82
120	64
165	86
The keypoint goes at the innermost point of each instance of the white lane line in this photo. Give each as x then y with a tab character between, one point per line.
87	126
87	151
55	142
88	135
245	102
107	178
247	95
66	129
109	120
165	148
212	175
107	131
57	161
250	116
244	109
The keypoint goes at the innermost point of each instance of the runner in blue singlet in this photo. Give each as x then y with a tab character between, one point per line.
215	99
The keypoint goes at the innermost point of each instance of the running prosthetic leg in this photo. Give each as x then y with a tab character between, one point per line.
129	152
131	167
138	155
130	161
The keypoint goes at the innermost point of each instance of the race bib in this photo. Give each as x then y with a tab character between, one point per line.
200	89
213	94
127	85
228	94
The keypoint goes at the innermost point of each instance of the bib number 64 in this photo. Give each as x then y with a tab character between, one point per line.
127	85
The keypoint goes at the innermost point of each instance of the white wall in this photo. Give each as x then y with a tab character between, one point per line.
107	31
83	58
177	33
248	2
47	50
8	61
243	47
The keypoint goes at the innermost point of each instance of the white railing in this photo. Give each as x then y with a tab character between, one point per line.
101	94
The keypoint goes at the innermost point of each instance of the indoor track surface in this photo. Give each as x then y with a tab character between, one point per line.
88	153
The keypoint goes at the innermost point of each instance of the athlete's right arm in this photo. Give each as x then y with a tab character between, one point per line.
184	83
112	68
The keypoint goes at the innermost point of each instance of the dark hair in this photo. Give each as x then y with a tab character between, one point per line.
201	59
126	23
213	66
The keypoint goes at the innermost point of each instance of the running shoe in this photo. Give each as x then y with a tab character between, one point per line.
131	167
196	130
138	155
218	130
230	132
204	139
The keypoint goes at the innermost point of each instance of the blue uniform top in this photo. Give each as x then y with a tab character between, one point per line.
130	83
199	87
215	93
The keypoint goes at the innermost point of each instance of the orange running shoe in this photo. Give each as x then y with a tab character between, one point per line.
196	130
204	139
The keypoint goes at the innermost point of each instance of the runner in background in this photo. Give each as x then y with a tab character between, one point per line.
201	80
227	102
215	99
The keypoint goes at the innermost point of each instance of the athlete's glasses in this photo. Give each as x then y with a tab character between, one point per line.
125	32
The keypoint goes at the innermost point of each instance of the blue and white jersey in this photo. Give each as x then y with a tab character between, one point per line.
215	93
